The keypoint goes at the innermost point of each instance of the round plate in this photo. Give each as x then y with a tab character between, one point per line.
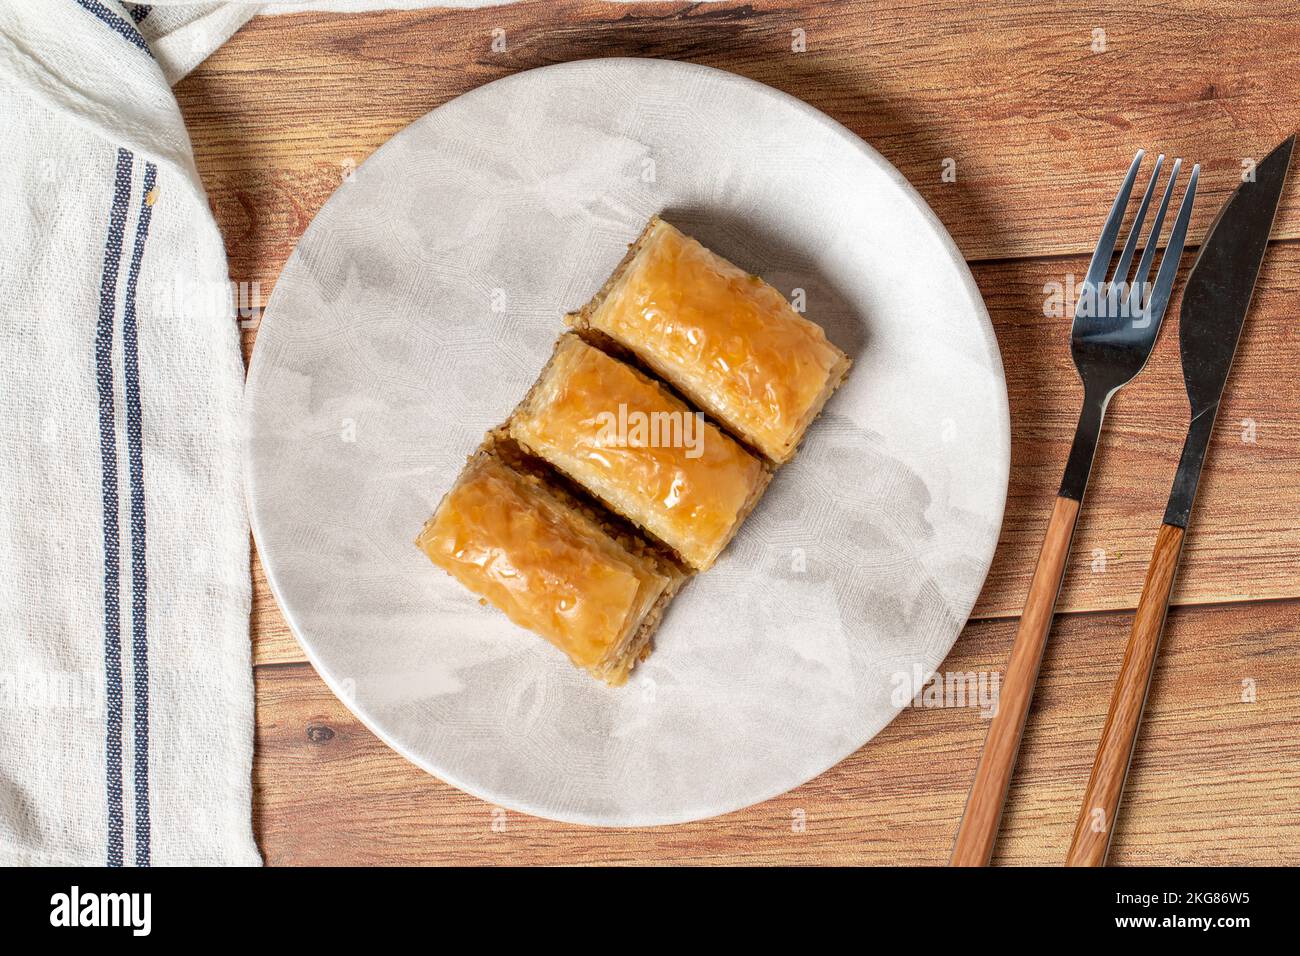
421	304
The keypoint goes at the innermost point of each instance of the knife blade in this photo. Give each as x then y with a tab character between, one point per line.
1216	298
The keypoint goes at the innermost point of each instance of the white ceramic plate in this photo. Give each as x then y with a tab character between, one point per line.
420	305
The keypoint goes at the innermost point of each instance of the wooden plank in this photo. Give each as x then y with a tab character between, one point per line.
1040	126
1244	543
1215	780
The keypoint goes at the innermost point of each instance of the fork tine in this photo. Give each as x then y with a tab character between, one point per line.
1136	303
1155	308
1130	245
1101	256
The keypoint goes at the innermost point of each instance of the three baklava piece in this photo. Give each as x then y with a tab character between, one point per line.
647	439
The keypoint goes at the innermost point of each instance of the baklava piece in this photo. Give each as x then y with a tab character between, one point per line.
725	339
552	565
640	450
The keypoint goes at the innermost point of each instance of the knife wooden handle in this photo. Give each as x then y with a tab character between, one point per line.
1100	808
979	825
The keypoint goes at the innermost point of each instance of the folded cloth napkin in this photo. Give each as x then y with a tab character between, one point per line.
126	694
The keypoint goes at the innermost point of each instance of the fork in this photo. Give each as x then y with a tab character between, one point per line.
1115	326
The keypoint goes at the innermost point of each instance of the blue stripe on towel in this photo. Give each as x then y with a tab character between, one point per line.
139	569
116	23
139	11
108	461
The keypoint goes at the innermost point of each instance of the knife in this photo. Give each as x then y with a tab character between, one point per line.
1215	301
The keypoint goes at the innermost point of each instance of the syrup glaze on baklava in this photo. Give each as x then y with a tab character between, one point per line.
640	450
553	569
725	339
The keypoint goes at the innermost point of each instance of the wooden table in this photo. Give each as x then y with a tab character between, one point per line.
1040	121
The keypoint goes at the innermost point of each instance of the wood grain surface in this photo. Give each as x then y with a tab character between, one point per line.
1041	122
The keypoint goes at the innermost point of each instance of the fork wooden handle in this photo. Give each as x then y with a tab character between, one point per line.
1100	807
979	825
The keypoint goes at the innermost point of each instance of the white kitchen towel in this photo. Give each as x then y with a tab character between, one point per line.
126	693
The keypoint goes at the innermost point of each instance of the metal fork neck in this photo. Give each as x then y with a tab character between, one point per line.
1084	449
